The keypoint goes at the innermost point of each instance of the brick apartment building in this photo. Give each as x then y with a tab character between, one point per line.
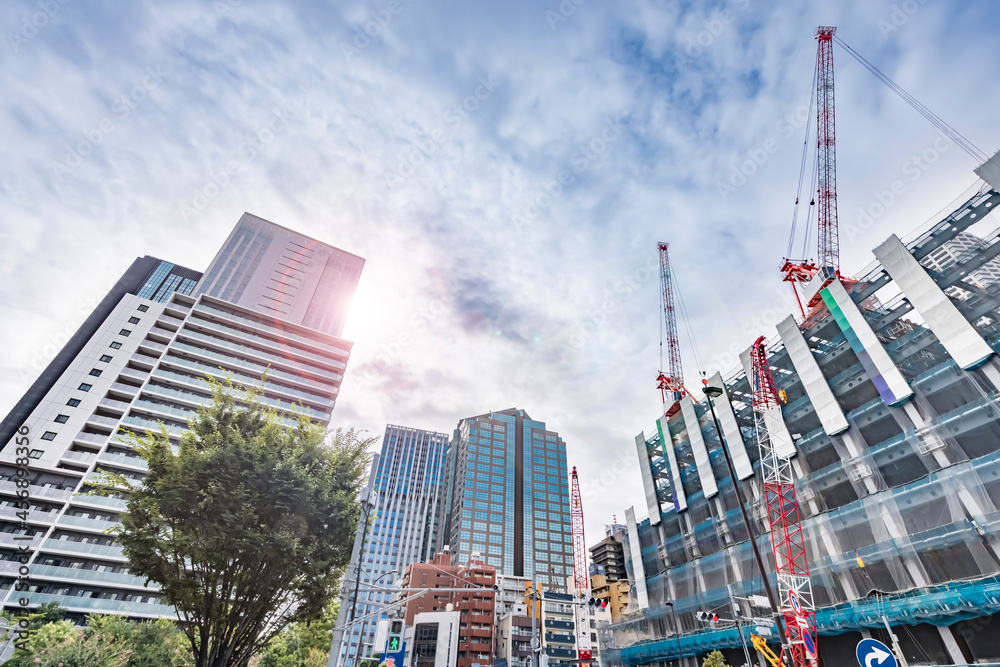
476	607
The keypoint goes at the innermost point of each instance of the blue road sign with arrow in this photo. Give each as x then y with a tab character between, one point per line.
873	653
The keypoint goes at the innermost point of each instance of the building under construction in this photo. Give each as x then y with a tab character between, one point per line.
890	392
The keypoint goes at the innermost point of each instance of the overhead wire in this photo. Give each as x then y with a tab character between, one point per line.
812	206
687	322
957	137
802	166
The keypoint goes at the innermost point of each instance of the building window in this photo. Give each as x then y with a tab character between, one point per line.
124	332
115	345
62	419
84	387
96	372
73	402
105	358
133	320
142	308
37	453
49	435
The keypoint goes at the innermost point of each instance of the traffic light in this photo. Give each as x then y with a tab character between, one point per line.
394	644
706	617
598	603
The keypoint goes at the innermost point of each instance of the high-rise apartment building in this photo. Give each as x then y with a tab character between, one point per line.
610	554
400	527
508	496
272	300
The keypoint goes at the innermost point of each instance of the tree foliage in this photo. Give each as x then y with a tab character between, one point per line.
714	659
107	641
303	644
247	526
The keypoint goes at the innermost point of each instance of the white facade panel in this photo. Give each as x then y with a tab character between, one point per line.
959	338
648	485
731	430
698	448
819	392
635	553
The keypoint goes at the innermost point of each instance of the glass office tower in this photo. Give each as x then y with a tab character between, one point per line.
400	527
509	496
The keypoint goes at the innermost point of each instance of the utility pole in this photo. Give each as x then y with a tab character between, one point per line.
737	614
712	393
895	643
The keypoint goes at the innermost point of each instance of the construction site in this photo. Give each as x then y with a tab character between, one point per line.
843	483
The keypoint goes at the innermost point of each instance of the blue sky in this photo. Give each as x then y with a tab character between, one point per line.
505	168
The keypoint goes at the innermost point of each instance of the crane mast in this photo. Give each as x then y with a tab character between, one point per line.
826	153
828	233
579	543
787	540
671	382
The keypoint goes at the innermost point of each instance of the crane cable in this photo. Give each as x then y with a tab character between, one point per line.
936	121
802	166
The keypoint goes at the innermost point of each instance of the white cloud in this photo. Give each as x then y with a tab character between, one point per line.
518	334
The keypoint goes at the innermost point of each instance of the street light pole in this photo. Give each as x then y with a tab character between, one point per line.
714	392
677	631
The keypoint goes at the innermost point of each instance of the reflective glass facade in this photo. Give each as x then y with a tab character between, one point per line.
510	496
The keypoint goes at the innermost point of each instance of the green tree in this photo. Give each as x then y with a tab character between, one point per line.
303	643
714	659
247	526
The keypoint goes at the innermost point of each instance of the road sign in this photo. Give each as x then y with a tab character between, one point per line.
794	600
873	653
810	644
764	631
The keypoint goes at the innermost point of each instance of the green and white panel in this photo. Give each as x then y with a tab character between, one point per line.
676	487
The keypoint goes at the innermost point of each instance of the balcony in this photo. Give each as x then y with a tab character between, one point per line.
10	489
103	550
97	438
124	388
83	457
135	373
34	515
115	459
153	346
81	575
109	422
212	311
114	404
110	502
16	540
96	525
90	605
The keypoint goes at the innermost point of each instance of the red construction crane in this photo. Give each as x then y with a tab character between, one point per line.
787	540
579	543
671	383
828	234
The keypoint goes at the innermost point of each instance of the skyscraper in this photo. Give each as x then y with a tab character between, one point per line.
399	528
508	497
272	299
